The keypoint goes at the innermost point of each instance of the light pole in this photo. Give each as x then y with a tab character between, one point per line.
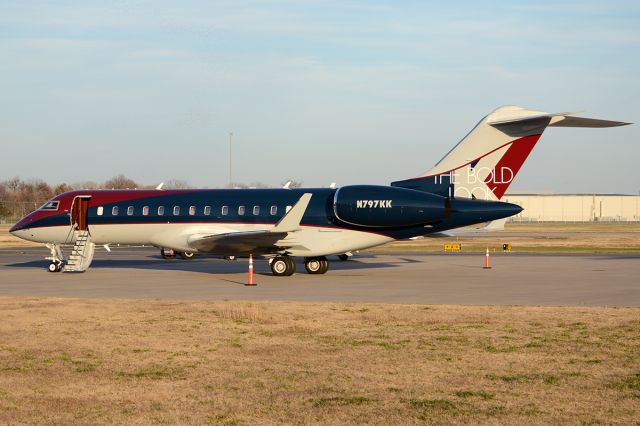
230	159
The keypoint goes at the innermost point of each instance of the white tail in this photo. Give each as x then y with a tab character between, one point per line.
485	162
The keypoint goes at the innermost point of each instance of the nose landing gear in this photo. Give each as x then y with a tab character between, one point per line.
56	258
55	266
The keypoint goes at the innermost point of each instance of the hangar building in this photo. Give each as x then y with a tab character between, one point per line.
576	207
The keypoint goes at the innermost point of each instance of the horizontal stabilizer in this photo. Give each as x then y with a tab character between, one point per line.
561	119
569	121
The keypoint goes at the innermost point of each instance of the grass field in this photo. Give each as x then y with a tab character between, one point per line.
128	362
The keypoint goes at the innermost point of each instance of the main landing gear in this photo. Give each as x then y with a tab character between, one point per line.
171	254
284	266
316	265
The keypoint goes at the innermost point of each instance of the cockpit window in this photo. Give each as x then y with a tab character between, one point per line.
50	205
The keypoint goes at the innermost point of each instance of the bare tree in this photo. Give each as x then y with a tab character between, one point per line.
258	185
236	185
294	183
120	182
177	184
61	188
85	185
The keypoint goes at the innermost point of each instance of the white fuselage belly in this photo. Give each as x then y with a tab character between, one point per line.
308	241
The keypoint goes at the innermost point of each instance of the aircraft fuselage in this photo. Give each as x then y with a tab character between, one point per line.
335	221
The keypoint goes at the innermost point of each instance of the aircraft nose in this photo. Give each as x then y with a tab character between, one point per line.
18	226
14	228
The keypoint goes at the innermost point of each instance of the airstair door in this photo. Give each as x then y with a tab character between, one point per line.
79	213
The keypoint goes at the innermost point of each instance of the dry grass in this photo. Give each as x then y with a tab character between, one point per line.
132	362
535	237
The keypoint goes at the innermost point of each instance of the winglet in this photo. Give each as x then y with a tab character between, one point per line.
291	221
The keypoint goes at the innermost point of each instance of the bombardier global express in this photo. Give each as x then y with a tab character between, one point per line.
464	188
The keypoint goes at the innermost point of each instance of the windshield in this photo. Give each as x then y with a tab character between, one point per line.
50	205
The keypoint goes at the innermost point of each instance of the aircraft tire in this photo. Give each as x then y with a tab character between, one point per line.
343	257
292	265
316	265
283	266
54	267
166	255
187	255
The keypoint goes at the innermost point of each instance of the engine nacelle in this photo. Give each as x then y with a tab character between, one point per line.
386	206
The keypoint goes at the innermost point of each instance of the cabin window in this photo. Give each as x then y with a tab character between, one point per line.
225	210
114	211
50	205
130	211
241	211
256	210
207	210
160	210
274	210
100	211
145	211
176	210
192	210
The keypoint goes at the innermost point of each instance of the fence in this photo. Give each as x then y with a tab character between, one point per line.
11	211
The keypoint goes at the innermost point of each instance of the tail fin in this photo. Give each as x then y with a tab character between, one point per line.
485	162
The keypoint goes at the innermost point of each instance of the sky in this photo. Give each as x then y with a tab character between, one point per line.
317	91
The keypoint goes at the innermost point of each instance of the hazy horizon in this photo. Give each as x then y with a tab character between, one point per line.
348	92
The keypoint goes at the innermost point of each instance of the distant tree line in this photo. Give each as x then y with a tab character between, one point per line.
19	197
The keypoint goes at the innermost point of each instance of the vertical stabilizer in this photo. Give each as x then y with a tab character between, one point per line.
487	160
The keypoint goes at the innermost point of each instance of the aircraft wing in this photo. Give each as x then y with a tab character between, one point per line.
266	241
258	242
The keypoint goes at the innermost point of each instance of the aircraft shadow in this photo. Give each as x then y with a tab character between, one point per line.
216	265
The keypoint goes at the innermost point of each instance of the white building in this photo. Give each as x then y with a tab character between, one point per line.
576	207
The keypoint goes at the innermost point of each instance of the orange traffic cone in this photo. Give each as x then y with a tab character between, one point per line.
487	260
251	281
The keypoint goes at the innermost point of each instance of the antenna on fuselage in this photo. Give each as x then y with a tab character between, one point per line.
159	187
333	185
287	185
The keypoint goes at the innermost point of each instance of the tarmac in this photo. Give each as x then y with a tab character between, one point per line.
453	278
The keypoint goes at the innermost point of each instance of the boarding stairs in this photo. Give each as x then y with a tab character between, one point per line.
81	254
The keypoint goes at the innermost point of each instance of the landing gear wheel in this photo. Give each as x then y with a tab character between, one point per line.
55	267
167	253
283	266
292	265
56	258
187	255
343	257
316	265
